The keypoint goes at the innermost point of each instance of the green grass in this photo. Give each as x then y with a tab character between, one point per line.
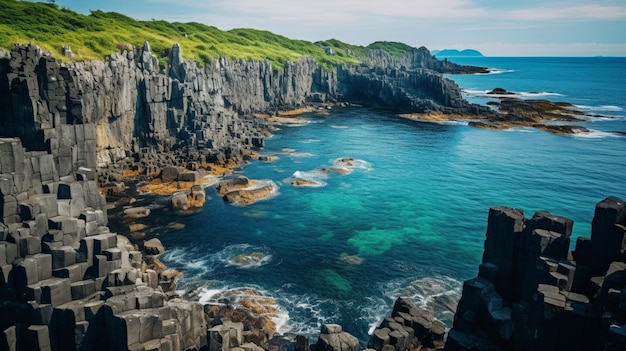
102	33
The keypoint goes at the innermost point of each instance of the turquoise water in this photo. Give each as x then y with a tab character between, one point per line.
411	216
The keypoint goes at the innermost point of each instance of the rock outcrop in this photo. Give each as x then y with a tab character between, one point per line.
408	328
533	293
333	338
68	283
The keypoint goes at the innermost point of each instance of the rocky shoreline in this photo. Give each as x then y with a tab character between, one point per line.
73	133
511	111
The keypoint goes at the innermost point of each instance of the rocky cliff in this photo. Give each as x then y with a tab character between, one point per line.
533	293
136	108
66	281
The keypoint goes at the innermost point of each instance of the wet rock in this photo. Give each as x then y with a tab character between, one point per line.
136	212
304	183
249	196
180	202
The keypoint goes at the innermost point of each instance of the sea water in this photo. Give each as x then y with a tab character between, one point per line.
407	214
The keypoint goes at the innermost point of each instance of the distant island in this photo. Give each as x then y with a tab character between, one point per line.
457	53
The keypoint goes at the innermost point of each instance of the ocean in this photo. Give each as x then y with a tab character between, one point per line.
410	217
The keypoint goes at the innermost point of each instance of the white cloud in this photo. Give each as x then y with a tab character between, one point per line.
332	11
585	12
417	22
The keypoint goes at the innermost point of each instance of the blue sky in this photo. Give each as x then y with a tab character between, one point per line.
495	27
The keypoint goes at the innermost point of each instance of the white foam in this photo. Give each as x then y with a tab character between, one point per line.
520	94
302	154
439	294
374	310
210	180
234	295
522	130
294	124
192	262
252	264
534	94
315	174
315	181
497	71
595	134
606	108
206	295
352	163
310	141
309	312
227	256
452	122
338	127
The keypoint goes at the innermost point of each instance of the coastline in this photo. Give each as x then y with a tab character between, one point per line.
62	254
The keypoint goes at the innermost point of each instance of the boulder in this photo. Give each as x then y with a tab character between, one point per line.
180	202
230	185
153	247
136	212
332	338
169	174
249	196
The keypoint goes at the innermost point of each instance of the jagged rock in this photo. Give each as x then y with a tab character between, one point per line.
557	299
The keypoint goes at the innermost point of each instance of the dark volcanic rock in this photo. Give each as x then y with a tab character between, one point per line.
124	113
532	293
409	327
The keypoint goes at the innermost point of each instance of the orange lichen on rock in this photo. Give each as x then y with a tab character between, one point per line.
296	112
136	227
155	264
130	173
156	186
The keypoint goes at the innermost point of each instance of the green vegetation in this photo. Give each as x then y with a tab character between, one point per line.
394	48
102	33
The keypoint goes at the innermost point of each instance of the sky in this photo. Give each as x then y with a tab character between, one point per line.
494	27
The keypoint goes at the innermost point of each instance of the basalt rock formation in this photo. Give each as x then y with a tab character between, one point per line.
67	282
139	115
533	293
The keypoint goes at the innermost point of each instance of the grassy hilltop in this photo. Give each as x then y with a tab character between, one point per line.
102	33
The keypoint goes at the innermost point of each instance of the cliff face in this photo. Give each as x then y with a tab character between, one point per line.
136	107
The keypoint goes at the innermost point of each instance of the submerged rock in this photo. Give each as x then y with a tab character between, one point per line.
305	182
351	259
248	259
136	212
